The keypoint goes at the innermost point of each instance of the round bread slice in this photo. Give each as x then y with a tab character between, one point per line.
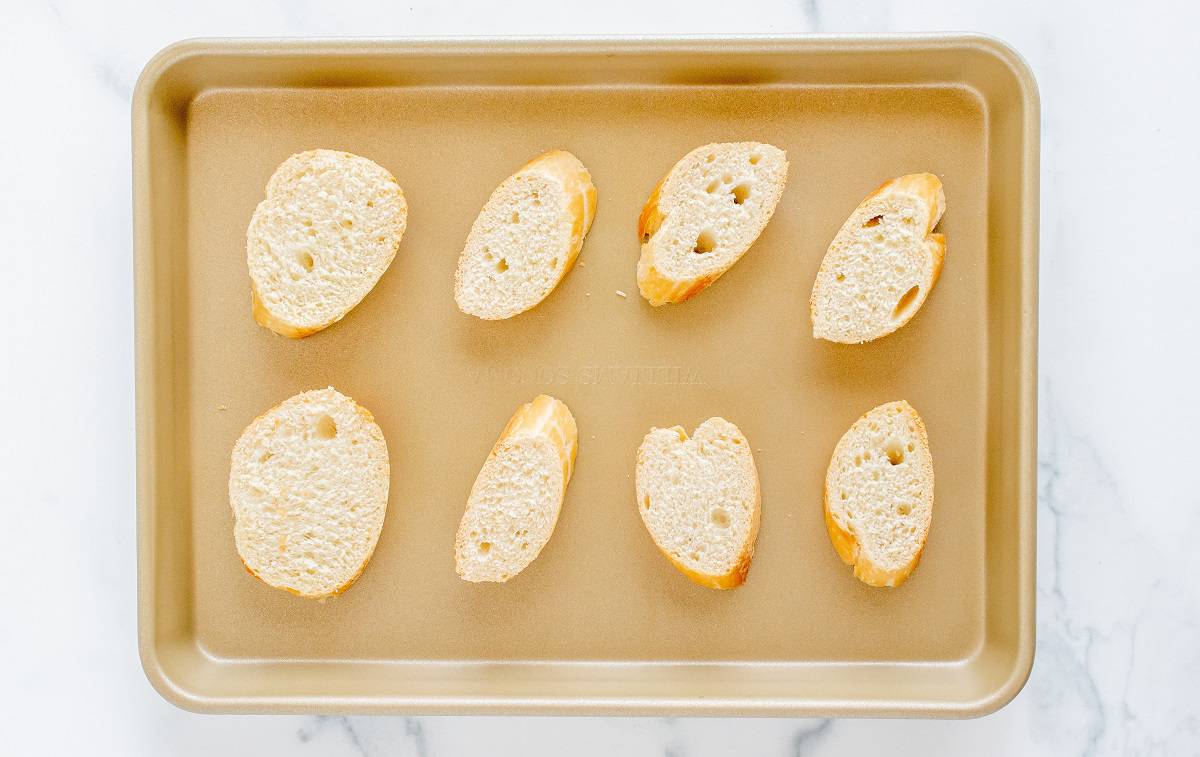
700	501
704	215
515	501
882	264
309	488
879	494
526	238
329	227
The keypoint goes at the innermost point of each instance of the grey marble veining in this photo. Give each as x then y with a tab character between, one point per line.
1118	649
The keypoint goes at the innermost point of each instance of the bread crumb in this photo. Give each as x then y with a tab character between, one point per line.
582	264
587	294
621	294
222	407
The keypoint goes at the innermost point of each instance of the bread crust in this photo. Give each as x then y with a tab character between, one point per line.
736	576
844	541
543	416
656	287
928	188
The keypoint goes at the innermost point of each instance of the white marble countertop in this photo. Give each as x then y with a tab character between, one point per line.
1118	646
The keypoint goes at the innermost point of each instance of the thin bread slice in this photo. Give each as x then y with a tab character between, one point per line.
328	228
308	484
526	237
699	499
879	494
518	494
704	215
882	264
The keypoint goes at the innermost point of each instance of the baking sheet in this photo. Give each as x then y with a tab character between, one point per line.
600	622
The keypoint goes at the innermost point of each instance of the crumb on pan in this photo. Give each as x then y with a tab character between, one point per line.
621	294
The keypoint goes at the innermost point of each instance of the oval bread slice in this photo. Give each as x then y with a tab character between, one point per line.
328	228
526	237
308	485
882	264
879	494
704	215
518	494
700	501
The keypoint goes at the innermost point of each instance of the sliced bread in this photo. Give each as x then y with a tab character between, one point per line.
308	485
882	264
700	501
704	215
514	503
526	238
879	494
317	244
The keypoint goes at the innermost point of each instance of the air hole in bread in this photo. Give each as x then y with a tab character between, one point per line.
325	427
712	186
736	440
646	502
502	265
840	277
711	157
720	518
873	221
347	223
524	545
307	222
727	178
305	260
845	496
487	254
867	455
911	447
485	547
906	302
903	509
370	203
740	193
704	243
895	452
857	461
694	556
754	158
553	263
265	457
516	217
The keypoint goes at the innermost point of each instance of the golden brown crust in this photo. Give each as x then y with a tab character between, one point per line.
844	541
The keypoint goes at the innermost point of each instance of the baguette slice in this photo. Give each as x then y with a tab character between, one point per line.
308	485
704	215
700	501
526	238
329	227
879	494
883	262
516	498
